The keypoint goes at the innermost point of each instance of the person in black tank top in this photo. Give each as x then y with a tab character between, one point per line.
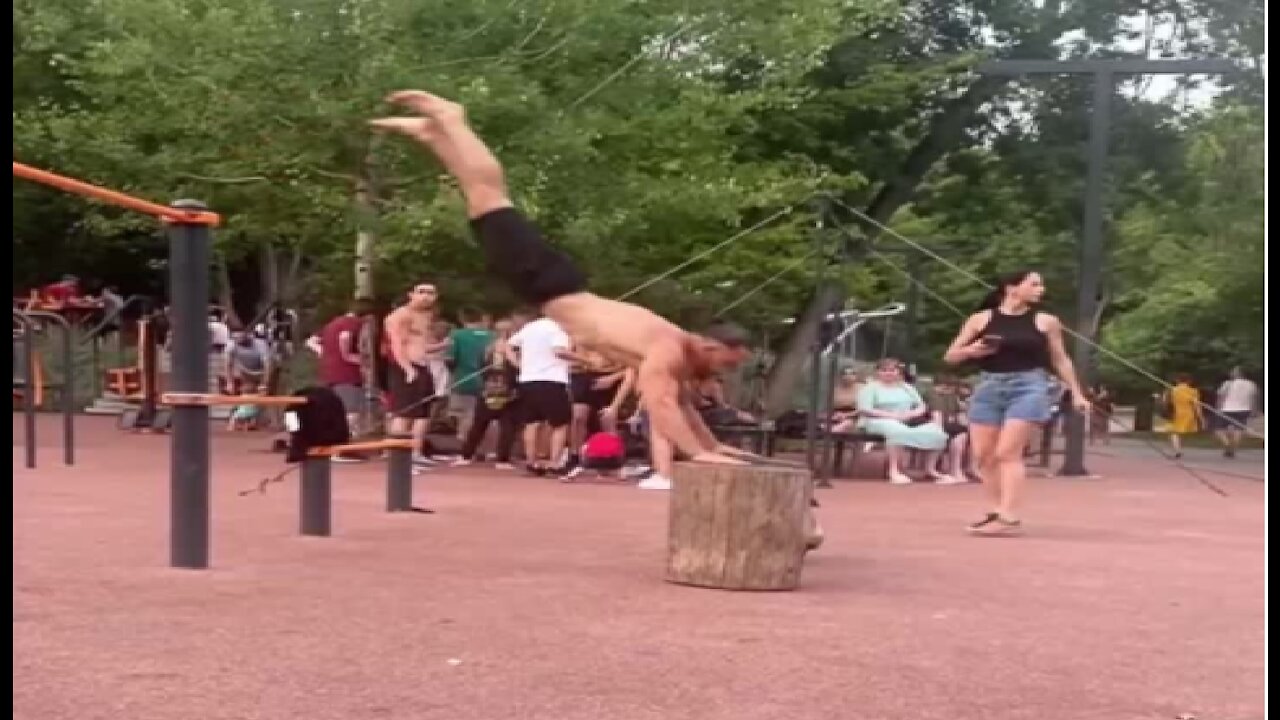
1019	345
1016	347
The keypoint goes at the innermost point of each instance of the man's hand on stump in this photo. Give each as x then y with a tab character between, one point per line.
717	458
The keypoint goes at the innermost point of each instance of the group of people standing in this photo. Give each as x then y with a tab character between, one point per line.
1184	407
518	371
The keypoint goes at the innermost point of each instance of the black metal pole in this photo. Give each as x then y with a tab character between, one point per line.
96	389
911	333
28	387
828	407
68	381
315	497
148	376
815	360
68	384
399	478
189	247
1090	264
68	396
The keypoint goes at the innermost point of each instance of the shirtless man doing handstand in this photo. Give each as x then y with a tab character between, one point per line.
665	357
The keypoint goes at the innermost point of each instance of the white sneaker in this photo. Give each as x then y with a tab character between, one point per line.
418	469
504	466
572	473
948	480
460	462
655	482
636	471
423	461
899	480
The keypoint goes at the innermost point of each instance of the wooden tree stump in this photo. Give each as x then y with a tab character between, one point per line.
738	527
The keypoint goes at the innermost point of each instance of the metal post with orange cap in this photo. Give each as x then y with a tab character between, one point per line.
190	237
189	265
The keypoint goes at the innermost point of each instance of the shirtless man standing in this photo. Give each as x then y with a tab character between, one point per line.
409	382
664	356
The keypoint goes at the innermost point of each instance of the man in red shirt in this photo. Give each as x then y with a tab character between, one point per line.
62	292
338	345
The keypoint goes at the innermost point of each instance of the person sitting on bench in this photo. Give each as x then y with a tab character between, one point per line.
844	401
895	410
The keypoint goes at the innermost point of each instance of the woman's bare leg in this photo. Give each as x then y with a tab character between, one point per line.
931	460
896	476
578	429
983	439
1013	470
959	444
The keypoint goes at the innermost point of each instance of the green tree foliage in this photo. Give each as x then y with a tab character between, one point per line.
641	134
1191	262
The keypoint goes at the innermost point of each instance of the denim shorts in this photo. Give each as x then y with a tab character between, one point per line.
1010	396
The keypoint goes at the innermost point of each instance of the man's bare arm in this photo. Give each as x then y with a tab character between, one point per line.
660	396
613	378
569	355
709	438
347	348
691	415
624	391
511	353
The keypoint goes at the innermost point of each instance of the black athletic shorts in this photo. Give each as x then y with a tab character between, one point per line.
410	399
585	391
516	251
545	401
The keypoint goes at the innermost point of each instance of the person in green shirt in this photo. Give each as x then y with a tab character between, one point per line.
468	348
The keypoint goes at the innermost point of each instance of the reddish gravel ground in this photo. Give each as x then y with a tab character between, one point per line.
1135	597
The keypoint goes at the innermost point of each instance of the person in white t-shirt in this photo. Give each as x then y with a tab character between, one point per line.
1237	400
541	350
219	333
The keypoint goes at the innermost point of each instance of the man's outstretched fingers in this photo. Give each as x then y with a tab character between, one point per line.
424	102
414	127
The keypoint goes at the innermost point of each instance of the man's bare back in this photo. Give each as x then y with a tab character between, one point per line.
620	331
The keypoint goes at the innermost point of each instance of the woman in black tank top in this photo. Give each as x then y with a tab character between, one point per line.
1016	347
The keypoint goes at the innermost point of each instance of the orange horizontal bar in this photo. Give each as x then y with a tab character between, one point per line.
129	202
365	446
177	398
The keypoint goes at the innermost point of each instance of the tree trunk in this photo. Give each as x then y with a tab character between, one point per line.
945	132
269	276
780	387
226	297
366	240
738	527
366	254
289	281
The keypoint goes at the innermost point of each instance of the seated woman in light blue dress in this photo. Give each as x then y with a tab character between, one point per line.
893	409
